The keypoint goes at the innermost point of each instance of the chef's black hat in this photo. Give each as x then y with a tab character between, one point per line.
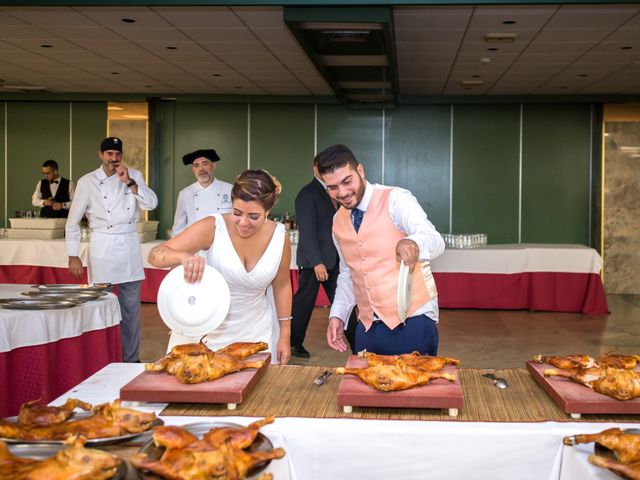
209	154
111	143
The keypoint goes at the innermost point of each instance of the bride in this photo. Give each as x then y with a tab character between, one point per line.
252	253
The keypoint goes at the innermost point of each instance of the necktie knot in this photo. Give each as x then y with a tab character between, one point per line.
356	218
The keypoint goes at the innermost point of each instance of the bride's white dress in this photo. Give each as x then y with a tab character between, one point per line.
252	316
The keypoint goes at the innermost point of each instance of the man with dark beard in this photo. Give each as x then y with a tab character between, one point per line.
110	197
377	228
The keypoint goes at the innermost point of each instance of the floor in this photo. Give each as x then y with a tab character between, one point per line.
479	338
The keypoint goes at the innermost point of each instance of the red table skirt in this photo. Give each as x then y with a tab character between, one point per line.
47	371
545	291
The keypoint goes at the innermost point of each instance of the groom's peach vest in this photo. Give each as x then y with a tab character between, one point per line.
370	255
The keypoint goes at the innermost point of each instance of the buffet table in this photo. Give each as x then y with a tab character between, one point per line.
559	278
43	353
322	442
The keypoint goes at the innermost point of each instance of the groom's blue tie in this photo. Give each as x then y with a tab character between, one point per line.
356	218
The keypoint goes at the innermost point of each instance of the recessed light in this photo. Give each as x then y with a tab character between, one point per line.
562	88
128	20
509	22
500	37
147	86
216	75
606	134
46	46
493	49
238	88
485	60
472	83
171	48
583	75
115	73
626	47
475	76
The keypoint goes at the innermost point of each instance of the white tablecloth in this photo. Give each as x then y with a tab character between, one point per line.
337	449
22	328
519	258
489	259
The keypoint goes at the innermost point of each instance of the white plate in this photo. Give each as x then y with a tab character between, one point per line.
404	291
193	309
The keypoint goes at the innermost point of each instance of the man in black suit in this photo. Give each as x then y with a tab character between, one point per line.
317	259
53	194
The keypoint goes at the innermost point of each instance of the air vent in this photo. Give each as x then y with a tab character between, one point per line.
352	48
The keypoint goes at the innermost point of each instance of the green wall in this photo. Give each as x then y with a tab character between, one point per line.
68	132
519	172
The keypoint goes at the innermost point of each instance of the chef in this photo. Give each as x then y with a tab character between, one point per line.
53	194
205	196
110	197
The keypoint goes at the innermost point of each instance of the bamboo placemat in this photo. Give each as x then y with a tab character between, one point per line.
290	392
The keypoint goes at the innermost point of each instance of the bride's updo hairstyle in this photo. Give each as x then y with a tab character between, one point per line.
257	186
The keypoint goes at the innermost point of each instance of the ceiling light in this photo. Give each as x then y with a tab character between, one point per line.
472	83
134	117
128	20
493	49
606	134
500	37
508	22
485	60
630	149
626	47
23	87
114	108
171	48
341	26
583	75
354	60
46	46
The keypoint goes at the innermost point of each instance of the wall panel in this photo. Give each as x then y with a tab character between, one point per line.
282	143
360	130
485	170
36	132
555	173
89	127
417	157
4	222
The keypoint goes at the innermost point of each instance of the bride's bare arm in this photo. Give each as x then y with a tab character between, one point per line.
182	248
283	296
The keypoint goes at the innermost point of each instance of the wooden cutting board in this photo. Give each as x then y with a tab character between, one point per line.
164	388
575	398
438	393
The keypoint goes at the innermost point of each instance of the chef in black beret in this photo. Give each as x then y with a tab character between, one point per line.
204	197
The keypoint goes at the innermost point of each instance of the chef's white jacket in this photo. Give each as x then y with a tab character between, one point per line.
112	211
195	203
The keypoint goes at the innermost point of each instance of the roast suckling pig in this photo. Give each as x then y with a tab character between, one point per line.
393	377
400	372
74	462
616	383
34	413
612	360
107	420
196	363
220	454
423	362
625	447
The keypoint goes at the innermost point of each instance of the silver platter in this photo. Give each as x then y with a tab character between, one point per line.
91	442
80	297
36	304
154	452
42	452
75	287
